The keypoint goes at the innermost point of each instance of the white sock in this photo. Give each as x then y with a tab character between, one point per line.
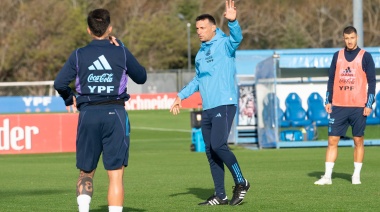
358	168
328	169
115	208
83	203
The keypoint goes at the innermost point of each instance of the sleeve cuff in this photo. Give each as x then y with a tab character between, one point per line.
232	23
180	96
69	101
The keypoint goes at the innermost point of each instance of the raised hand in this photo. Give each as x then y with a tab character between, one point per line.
230	12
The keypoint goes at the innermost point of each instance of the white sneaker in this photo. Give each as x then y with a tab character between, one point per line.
356	180
323	181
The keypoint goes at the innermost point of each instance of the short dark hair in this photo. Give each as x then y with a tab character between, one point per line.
206	16
349	30
98	21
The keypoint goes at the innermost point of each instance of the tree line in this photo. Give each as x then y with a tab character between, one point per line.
38	36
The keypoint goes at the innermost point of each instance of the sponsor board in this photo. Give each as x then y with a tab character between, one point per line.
40	104
31	104
49	132
161	101
38	133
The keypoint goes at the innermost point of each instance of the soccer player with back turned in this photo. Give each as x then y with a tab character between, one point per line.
100	71
350	95
215	79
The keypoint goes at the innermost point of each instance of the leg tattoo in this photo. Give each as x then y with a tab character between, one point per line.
84	184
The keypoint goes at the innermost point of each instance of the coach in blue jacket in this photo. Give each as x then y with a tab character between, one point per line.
215	79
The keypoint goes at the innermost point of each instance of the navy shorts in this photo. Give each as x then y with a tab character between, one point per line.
343	117
102	129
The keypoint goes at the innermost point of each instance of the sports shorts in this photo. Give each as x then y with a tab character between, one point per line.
343	117
102	129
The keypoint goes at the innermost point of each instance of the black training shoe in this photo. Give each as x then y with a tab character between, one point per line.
214	200
239	193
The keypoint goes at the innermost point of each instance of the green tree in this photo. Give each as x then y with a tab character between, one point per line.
40	41
37	37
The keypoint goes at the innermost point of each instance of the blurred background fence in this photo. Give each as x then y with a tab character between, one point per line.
164	81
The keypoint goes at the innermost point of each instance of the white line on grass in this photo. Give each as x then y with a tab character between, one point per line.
164	139
161	129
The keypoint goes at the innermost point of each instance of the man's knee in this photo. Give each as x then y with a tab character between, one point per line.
333	141
359	141
219	149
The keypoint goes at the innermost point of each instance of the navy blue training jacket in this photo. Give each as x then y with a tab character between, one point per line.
100	71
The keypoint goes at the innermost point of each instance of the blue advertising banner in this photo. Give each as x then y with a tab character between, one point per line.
31	104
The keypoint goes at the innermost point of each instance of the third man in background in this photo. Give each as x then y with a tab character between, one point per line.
348	101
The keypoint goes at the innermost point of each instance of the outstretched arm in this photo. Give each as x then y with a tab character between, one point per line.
186	91
236	35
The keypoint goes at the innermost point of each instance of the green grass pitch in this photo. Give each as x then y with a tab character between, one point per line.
164	175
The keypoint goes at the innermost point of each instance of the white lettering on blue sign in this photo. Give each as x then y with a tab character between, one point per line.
36	101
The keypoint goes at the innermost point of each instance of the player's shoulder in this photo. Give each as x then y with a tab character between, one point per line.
336	54
367	54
